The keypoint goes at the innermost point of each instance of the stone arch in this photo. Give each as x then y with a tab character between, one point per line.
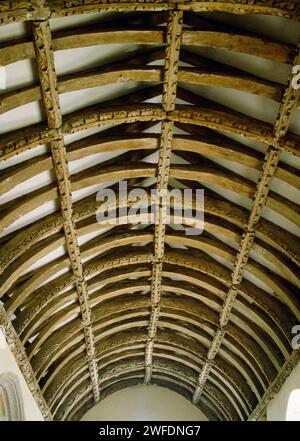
11	403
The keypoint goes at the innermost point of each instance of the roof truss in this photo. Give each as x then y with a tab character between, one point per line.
63	332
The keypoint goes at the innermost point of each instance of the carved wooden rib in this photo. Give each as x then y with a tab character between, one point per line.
269	233
285	291
190	265
215	380
208	72
162	314
285	114
173	42
167	324
206	172
219	118
266	326
240	322
17	268
42	297
133	339
19	353
206	244
13	10
174	369
203	142
45	59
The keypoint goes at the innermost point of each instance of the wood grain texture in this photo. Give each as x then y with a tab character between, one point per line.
89	309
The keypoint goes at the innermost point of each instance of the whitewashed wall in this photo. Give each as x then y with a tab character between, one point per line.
277	410
145	403
9	365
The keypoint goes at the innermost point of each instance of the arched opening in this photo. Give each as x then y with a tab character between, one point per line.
11	405
144	403
293	407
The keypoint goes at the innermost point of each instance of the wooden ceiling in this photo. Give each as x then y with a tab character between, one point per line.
198	314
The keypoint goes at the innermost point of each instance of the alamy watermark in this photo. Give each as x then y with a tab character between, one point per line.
296	339
184	207
296	77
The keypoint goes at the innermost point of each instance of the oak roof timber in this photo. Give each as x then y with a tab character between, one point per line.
151	305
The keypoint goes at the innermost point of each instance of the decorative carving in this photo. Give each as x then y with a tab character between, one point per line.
173	41
283	8
242	256
216	343
22	360
153	321
15	10
104	263
19	141
156	282
48	83
149	351
43	297
204	373
30	137
100	117
117	340
288	105
270	233
263	187
69	404
80	349
220	118
22	242
162	185
285	114
57	386
277	384
148	374
227	306
203	376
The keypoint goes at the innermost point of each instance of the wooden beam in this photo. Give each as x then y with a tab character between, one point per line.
260	411
272	157
119	74
204	143
48	82
289	9
118	111
24	239
243	42
129	68
173	42
205	113
116	240
40	308
128	341
15	11
19	353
